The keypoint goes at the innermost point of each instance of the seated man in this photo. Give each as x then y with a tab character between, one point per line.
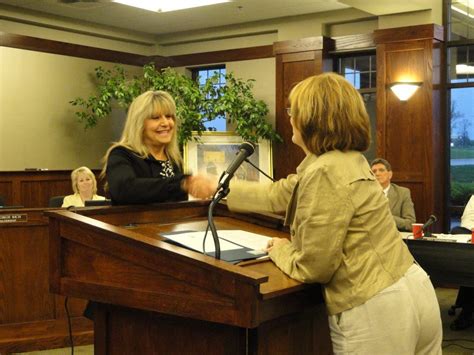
399	198
465	298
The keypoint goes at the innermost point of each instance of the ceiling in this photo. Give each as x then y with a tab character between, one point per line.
107	13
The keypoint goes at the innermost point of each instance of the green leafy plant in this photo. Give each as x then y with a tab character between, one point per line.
195	105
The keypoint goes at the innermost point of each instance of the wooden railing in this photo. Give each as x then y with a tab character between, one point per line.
33	189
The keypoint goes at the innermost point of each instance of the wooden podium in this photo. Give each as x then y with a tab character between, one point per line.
157	298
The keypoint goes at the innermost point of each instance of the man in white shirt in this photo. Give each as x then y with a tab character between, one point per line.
399	197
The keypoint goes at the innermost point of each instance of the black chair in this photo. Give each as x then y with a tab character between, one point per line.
89	203
2	201
56	201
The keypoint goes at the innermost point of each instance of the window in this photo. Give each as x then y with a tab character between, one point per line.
460	78
461	64
461	20
360	70
201	75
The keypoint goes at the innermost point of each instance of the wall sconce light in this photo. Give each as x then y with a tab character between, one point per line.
404	90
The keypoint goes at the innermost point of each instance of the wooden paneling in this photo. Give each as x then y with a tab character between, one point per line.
73	50
33	189
230	55
32	318
295	61
76	50
410	133
6	192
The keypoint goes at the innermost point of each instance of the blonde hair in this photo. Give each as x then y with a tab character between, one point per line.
330	114
75	175
145	106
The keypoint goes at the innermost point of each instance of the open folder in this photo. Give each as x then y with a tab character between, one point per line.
236	245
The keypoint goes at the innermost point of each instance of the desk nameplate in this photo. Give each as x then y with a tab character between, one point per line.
14	218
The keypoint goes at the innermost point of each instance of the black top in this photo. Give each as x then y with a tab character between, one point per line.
134	180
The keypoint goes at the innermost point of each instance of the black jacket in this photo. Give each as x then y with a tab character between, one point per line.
133	180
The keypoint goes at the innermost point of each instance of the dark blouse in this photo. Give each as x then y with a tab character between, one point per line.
134	180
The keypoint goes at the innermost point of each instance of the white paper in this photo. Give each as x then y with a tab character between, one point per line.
228	239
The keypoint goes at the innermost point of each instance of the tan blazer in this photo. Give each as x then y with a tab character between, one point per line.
342	232
401	206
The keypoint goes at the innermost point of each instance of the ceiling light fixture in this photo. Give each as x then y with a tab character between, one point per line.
404	90
166	5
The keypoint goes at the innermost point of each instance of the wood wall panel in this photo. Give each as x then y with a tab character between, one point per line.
410	134
295	61
32	318
6	192
33	189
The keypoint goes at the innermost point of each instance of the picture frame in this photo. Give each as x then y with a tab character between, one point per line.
215	151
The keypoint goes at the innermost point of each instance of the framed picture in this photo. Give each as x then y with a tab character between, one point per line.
215	152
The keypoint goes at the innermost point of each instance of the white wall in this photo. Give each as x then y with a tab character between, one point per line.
38	127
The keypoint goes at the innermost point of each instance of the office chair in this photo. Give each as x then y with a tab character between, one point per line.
56	201
89	203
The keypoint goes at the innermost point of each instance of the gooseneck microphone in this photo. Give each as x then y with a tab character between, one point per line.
246	149
432	219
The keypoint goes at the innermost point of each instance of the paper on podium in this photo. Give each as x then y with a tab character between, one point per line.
235	245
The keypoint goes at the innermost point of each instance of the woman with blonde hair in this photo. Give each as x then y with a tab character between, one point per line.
145	165
342	233
84	186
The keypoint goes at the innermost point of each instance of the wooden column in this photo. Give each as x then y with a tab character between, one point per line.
411	134
295	61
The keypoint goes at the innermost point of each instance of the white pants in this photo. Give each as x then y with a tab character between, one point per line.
402	319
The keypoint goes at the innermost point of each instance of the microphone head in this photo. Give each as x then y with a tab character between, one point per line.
434	218
248	147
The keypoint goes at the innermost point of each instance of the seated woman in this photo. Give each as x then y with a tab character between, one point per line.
84	186
145	165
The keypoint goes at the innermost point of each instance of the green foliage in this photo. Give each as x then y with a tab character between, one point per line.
462	184
195	105
462	153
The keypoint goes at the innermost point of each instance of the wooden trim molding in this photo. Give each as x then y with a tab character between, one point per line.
354	42
73	50
343	43
303	45
229	55
412	33
81	51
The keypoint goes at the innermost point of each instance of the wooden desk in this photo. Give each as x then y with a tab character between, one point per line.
446	263
157	298
32	318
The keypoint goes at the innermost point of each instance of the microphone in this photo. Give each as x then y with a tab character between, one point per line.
432	219
246	149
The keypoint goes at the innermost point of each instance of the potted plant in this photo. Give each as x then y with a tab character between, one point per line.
195	104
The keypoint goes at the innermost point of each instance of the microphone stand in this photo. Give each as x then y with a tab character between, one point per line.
222	192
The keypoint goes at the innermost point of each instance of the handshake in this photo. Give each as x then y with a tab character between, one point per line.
199	186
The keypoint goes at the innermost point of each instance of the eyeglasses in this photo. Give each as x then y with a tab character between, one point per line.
288	111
